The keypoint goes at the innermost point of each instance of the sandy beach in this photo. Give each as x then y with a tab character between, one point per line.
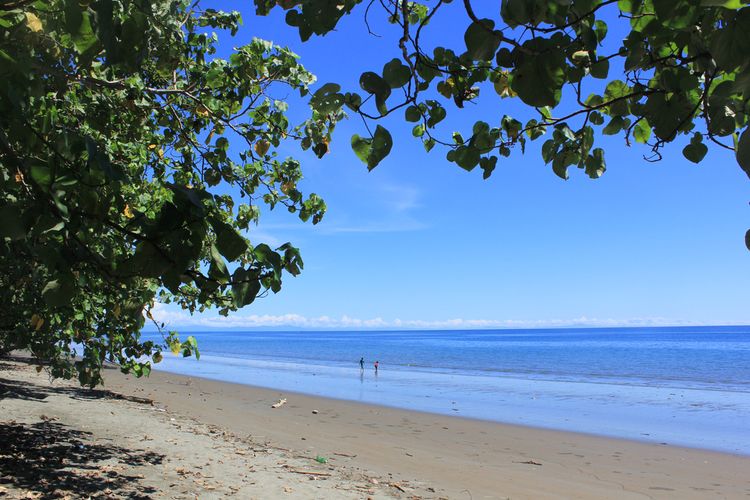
171	436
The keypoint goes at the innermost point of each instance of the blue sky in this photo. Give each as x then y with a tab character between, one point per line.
420	243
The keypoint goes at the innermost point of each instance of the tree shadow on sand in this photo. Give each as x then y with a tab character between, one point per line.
30	391
56	460
16	389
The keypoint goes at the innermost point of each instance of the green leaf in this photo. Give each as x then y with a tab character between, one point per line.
372	151
731	44
595	164
59	292
190	346
727	4
616	89
466	157
482	41
78	24
642	131
695	152
412	114
488	166
436	113
362	147
676	14
147	261
560	168
600	69
218	269
245	287
516	12
596	118
11	223
396	73
539	78
327	99
743	151
42	176
228	241
372	83
614	126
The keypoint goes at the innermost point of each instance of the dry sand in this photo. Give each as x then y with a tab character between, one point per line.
211	439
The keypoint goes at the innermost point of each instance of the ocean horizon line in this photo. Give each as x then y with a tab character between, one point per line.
299	329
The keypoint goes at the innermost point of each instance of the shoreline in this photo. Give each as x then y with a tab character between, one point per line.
432	455
452	454
427	414
688	417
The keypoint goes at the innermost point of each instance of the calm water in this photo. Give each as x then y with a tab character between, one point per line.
688	386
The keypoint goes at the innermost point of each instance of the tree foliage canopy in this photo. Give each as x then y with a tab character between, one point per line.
118	186
134	160
682	70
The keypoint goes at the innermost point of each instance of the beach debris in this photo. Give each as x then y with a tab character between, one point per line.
527	462
398	487
321	460
280	403
344	455
315	412
310	472
287	489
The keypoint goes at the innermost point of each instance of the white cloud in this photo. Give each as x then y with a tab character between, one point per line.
384	208
257	236
400	198
392	226
238	320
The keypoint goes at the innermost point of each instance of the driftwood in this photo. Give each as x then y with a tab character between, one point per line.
280	403
309	472
528	462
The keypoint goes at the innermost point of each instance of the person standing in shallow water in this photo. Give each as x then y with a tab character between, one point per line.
376	367
362	363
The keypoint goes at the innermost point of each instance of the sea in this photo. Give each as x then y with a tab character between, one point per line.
687	386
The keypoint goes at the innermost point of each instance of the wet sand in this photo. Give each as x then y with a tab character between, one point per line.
376	451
